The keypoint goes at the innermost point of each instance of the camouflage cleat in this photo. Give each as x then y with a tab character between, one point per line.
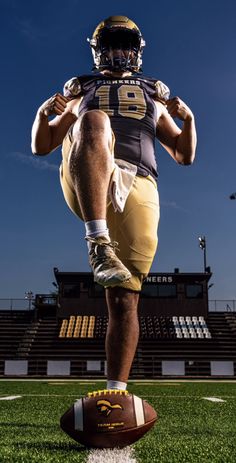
107	268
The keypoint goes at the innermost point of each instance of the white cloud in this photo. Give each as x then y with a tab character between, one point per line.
34	161
41	33
31	31
173	205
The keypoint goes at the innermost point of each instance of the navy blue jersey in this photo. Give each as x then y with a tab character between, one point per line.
129	103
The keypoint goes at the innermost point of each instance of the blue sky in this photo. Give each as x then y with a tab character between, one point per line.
190	45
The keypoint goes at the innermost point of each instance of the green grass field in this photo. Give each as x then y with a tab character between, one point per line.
189	429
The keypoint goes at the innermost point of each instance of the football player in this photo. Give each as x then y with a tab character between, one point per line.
107	122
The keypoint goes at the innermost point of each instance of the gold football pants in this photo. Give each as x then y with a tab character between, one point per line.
135	229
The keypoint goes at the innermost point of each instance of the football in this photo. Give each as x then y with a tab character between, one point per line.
108	419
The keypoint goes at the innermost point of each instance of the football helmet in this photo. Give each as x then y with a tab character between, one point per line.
117	44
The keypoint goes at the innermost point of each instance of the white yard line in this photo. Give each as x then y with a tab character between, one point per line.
156	383
70	383
214	399
125	455
11	397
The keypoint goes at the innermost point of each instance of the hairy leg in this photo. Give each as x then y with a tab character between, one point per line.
122	332
91	163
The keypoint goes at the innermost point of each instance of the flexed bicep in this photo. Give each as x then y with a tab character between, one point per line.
48	135
167	132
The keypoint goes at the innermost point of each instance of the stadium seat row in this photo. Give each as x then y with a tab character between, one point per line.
78	327
200	320
192	333
154	327
189	322
193	327
83	326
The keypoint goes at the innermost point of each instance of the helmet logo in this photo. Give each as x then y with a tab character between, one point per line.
105	407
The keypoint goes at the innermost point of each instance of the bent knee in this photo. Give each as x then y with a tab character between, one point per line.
95	115
92	121
93	128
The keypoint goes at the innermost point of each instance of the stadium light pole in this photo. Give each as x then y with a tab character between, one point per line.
202	245
29	295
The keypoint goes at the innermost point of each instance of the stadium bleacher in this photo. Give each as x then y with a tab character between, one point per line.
65	335
81	339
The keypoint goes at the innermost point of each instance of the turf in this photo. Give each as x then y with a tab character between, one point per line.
190	429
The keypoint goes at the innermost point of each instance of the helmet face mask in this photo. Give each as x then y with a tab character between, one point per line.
117	45
119	38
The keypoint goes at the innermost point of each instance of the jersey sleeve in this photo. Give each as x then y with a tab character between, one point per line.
162	92
72	88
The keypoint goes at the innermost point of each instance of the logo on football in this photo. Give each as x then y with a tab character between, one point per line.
108	419
105	407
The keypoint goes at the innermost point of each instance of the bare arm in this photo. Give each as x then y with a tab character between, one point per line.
48	135
180	143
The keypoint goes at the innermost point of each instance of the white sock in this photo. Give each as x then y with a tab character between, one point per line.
116	385
95	228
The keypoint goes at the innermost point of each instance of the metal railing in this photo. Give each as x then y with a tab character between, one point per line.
17	304
27	304
228	305
222	305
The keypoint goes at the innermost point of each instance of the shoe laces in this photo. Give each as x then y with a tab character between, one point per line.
113	245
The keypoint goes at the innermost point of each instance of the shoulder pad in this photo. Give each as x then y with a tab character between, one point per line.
162	91
72	88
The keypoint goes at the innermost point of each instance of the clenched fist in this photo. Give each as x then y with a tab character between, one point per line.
177	108
54	105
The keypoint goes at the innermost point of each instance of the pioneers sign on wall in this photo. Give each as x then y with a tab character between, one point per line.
159	279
